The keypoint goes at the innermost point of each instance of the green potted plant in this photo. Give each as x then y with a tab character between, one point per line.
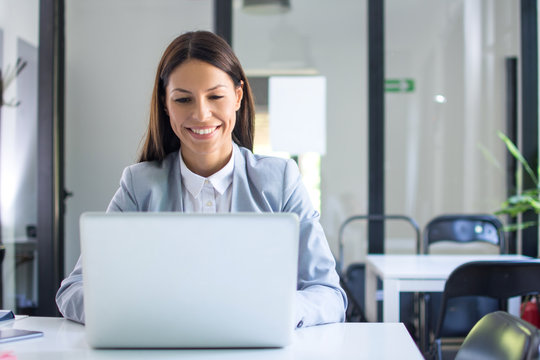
526	199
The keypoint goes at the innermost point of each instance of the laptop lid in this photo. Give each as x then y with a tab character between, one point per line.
158	280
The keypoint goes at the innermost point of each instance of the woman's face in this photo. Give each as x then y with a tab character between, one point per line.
201	101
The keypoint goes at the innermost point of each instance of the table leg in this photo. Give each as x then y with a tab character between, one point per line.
391	300
371	294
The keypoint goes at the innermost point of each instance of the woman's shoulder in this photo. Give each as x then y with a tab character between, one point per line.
155	167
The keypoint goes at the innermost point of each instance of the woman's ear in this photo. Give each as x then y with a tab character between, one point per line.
239	94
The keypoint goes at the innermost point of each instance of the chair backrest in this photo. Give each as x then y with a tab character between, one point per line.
501	336
464	228
495	279
373	217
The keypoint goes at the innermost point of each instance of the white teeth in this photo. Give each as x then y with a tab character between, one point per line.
203	131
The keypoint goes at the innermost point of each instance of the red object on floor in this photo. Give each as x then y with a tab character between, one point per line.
530	313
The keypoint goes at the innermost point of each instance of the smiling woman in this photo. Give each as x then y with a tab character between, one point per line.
201	102
198	158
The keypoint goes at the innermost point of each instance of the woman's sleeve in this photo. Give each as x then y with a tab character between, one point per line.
69	297
320	298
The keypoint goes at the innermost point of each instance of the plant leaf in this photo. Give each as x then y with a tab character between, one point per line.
518	156
514	227
489	156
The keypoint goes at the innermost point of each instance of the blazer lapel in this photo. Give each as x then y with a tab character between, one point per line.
176	201
242	200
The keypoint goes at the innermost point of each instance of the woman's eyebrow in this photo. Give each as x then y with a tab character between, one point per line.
189	92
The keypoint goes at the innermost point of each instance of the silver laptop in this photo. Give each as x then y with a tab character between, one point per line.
173	280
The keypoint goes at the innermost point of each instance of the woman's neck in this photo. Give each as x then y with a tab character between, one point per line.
207	164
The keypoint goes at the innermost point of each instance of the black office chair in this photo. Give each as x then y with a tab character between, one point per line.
353	278
501	336
460	229
464	229
498	280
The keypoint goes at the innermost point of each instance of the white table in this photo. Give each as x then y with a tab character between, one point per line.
411	273
64	339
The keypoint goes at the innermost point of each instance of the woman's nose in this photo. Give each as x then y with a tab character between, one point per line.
202	111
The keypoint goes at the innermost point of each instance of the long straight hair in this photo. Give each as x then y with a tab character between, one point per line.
160	138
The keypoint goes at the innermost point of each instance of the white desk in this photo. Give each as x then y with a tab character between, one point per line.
64	339
411	273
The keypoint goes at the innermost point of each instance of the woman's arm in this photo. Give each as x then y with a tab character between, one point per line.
320	298
69	297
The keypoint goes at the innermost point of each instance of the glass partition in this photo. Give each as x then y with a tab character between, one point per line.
322	38
18	153
445	101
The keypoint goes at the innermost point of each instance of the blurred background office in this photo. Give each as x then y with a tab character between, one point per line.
452	78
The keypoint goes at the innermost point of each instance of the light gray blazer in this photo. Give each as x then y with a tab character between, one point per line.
260	184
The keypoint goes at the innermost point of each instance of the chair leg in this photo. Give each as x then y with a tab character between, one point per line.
434	352
421	306
438	348
425	320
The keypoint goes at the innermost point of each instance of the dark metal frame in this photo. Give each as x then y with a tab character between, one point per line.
376	124
529	105
223	19
511	66
50	222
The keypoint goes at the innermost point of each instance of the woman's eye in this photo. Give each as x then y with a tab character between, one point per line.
182	100
216	97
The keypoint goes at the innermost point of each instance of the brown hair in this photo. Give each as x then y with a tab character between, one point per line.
205	46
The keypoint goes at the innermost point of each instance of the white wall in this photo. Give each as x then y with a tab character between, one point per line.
112	52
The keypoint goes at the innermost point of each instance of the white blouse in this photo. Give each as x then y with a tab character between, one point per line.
207	195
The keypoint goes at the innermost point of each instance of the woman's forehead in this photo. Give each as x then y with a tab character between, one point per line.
197	73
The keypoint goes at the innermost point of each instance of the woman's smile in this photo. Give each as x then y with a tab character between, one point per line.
204	131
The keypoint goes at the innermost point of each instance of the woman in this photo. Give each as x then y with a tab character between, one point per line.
197	158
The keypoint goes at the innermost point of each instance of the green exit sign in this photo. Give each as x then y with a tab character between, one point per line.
399	85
